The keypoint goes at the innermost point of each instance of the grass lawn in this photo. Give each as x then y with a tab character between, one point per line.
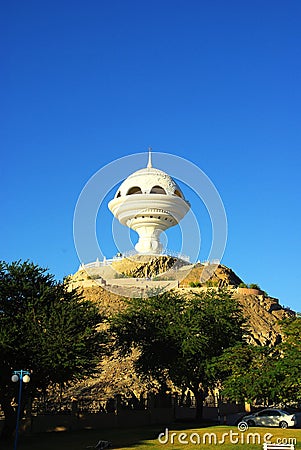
146	438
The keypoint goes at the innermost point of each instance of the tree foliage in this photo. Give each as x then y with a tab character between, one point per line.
244	373
179	336
44	328
289	361
266	375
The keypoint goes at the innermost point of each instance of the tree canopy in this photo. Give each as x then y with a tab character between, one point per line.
44	328
269	375
178	336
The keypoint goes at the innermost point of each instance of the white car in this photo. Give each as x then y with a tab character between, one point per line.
271	418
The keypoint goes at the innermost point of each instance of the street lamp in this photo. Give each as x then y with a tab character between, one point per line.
22	376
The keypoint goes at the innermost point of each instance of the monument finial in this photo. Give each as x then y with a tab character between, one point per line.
149	164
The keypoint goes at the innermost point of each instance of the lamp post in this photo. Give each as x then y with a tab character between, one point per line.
19	375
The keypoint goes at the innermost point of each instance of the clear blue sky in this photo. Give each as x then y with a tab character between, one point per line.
216	82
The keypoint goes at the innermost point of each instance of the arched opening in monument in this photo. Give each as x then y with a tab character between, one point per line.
157	190
178	193
134	190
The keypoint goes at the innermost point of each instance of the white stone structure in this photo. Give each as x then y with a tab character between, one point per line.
149	202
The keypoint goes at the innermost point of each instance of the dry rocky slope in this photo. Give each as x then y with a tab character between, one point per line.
116	375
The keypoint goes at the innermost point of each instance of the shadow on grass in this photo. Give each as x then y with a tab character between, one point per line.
80	440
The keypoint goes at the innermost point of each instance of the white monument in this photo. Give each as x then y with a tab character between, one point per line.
149	202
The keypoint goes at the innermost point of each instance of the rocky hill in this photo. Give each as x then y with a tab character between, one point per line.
160	267
262	311
117	375
143	266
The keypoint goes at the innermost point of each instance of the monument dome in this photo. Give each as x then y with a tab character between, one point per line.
149	201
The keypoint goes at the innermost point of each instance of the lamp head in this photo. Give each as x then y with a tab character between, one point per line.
26	378
15	378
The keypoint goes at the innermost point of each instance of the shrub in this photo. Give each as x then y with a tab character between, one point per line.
211	283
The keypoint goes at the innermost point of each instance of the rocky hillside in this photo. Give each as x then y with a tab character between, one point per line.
117	375
143	266
222	276
262	311
264	314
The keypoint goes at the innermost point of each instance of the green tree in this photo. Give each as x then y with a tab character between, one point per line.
289	361
44	328
178	337
267	375
249	374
